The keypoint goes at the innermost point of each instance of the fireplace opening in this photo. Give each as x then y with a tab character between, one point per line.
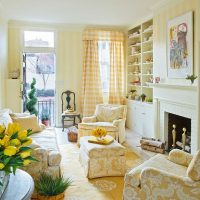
179	132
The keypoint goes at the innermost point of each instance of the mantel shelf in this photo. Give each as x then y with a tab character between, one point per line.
174	86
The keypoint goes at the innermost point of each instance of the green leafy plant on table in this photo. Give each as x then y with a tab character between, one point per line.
191	78
49	187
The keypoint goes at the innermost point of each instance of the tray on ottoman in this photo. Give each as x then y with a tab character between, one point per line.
102	160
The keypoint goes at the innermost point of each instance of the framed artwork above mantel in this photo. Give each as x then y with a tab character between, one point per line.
180	46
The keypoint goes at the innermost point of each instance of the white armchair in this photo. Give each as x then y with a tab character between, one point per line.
108	116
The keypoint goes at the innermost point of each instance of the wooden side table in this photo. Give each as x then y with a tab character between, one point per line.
20	187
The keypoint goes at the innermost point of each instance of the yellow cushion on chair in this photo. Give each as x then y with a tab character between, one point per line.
193	170
29	122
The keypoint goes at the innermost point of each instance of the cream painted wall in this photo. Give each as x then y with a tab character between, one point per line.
172	9
68	57
3	59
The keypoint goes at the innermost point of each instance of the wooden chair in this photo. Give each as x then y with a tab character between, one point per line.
69	116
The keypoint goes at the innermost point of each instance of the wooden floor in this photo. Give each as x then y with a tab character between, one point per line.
132	139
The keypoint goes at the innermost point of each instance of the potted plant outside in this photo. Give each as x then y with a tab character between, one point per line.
45	119
51	188
143	96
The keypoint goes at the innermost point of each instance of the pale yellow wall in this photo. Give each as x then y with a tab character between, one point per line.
68	58
171	10
3	60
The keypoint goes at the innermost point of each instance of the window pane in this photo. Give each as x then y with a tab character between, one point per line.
104	61
38	39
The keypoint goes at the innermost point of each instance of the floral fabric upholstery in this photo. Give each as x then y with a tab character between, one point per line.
180	157
193	170
102	160
47	153
110	117
160	178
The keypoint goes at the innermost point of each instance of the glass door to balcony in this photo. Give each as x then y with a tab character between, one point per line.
40	66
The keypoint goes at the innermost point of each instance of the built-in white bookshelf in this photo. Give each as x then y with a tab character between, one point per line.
140	59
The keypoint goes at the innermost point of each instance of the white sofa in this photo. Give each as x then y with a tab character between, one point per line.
45	149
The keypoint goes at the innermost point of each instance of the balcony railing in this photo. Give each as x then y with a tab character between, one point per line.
47	107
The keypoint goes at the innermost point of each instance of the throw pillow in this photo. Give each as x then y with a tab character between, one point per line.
5	119
13	115
193	170
109	113
180	157
29	122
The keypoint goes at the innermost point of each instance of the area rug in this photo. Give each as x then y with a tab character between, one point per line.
106	188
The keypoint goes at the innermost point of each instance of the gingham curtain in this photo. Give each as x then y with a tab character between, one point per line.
91	85
117	70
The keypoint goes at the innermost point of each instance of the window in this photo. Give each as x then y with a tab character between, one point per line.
38	39
104	61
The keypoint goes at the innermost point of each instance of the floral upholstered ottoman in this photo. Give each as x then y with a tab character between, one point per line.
102	160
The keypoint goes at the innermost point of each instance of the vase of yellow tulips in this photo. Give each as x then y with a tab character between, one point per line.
14	151
99	133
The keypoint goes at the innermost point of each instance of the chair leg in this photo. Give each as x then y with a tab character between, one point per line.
74	121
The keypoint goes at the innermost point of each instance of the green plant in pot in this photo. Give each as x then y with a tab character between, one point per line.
191	78
45	118
143	96
51	188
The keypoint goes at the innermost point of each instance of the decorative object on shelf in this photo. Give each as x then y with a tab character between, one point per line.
132	94
191	78
174	136
143	97
157	79
51	188
99	133
45	117
152	144
32	101
15	74
149	100
14	151
180	46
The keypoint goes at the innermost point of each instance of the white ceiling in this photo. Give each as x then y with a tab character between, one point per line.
86	12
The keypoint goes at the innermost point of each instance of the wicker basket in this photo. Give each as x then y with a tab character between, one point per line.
57	197
72	134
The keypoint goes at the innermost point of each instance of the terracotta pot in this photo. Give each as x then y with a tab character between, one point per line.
45	122
57	197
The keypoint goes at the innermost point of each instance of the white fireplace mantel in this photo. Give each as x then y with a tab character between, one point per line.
182	102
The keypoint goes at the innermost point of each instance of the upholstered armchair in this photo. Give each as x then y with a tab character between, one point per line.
107	116
161	177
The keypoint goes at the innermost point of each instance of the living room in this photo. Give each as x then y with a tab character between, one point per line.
135	64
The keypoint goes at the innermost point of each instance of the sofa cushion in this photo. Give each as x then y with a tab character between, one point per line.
25	114
193	170
90	126
159	162
109	113
54	158
28	122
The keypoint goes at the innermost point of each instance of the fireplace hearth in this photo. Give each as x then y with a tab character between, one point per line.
179	132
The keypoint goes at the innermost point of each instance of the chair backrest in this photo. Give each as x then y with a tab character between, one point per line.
69	97
110	112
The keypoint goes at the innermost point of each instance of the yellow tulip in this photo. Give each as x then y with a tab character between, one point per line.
5	141
2	129
2	165
22	135
13	128
27	142
25	154
26	162
10	151
15	142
